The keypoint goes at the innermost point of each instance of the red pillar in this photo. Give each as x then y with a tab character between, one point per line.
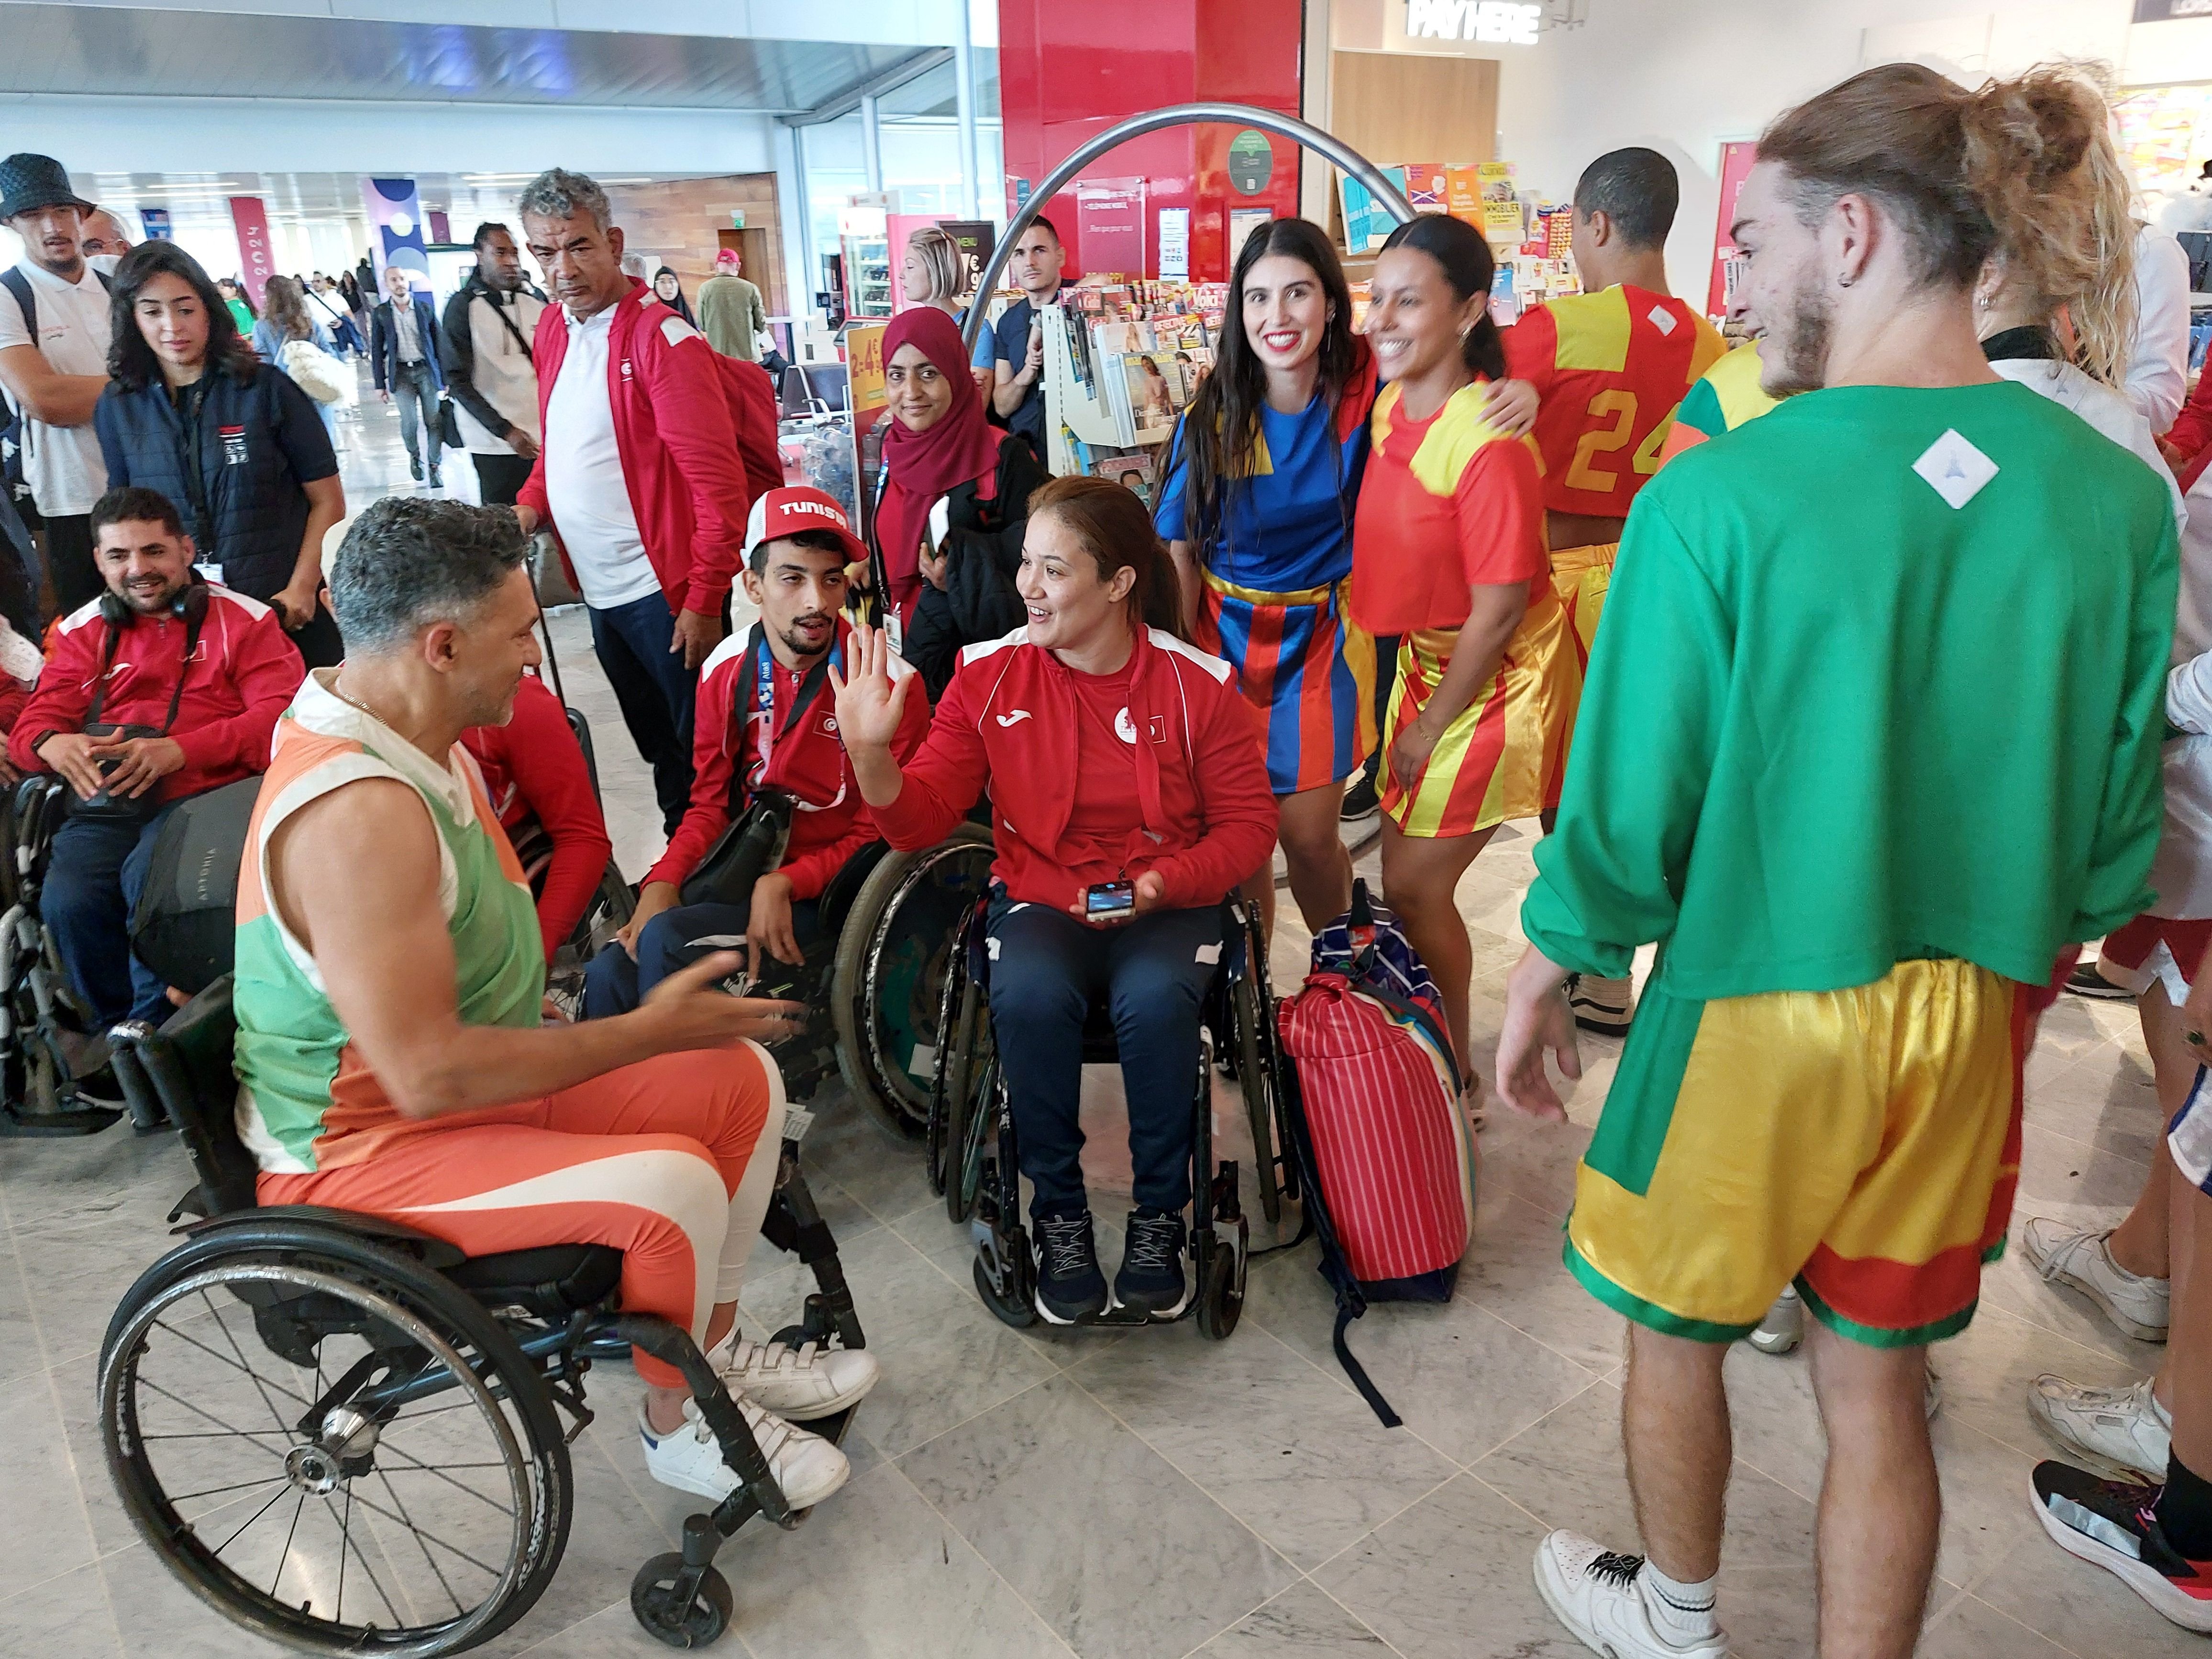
1067	72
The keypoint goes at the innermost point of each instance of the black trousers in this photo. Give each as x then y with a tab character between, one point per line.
500	479
67	544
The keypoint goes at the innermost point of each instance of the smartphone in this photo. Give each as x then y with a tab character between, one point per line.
1110	901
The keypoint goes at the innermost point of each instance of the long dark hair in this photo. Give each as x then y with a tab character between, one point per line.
130	361
1115	530
285	309
1221	430
1459	250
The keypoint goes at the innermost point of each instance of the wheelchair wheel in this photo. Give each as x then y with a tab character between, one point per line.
1221	1289
653	1604
887	985
1015	1305
330	1445
1255	1080
970	1072
965	1159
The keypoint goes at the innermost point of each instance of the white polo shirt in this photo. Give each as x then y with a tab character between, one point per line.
62	463
584	482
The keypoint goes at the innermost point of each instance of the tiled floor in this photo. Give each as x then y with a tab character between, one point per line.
1143	1496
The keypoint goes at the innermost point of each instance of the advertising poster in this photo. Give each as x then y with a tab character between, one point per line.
1174	244
1463	194
1427	186
975	237
864	369
1367	223
1110	227
1736	167
155	222
395	217
1501	209
257	257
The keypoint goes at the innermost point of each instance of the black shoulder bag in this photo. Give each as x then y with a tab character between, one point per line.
753	844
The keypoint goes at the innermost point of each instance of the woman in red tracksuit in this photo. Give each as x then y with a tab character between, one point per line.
1115	754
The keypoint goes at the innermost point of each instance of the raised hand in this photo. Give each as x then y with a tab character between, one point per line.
869	703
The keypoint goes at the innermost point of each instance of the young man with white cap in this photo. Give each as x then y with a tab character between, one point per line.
765	717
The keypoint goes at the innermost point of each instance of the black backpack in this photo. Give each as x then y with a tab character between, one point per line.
11	433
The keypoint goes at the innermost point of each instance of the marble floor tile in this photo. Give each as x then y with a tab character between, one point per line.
43	1530
1076	1512
1463	1379
1452	1579
157	1614
1971	1629
20	1354
1287	1448
876	1573
1514	1270
1987	1369
64	1617
1303	1622
613	1632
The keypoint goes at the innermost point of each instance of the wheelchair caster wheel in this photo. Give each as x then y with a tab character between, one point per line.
655	1602
1221	1287
1020	1314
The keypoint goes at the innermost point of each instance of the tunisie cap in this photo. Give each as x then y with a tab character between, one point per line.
794	507
28	181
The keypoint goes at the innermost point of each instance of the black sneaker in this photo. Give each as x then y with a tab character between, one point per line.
1151	1265
1360	799
1069	1284
415	468
2087	981
2113	1524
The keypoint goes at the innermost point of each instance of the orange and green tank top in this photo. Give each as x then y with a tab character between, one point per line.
306	1101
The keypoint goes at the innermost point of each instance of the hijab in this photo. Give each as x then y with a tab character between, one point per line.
679	305
922	466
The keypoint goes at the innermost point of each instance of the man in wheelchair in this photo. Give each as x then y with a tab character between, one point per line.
765	722
389	975
163	688
1128	796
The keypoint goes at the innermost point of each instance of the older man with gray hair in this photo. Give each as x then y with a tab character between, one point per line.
389	983
638	472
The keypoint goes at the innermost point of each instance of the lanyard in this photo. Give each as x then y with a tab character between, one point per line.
809	687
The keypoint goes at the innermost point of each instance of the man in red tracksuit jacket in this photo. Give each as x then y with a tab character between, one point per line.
638	472
767	719
205	670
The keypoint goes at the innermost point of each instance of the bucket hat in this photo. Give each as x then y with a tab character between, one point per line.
28	181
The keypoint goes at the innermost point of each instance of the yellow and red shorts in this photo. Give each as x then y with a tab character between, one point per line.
1498	760
1861	1144
1581	576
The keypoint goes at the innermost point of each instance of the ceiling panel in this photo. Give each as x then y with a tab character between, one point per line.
147	52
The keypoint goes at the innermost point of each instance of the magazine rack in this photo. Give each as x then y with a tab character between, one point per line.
1072	407
1331	148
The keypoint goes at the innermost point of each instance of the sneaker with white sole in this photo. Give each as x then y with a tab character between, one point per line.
1594	1592
2082	1257
2122	1431
2113	1524
1783	1328
1601	1005
807	1467
800	1384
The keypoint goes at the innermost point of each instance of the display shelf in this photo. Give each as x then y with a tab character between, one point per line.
1070	406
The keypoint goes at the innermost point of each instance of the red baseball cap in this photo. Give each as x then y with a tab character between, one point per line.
785	512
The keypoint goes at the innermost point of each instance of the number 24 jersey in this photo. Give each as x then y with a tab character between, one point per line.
1609	369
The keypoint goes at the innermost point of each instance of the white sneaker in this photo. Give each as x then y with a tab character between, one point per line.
1783	1328
2122	1431
807	1467
799	1383
1593	1593
2082	1257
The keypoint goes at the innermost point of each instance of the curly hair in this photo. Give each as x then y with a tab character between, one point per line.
410	561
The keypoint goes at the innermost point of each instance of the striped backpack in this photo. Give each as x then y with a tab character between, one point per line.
1371	1101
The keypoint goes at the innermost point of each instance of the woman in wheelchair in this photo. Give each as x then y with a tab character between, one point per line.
533	773
764	721
388	982
1128	796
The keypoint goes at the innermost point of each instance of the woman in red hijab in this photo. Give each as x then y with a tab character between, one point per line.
947	538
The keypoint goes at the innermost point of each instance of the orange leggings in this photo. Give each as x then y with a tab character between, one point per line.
658	1159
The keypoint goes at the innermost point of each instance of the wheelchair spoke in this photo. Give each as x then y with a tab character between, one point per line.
201	1411
346	1543
217	1354
422	1533
209	1491
408	1521
275	1498
416	1465
260	1387
288	1536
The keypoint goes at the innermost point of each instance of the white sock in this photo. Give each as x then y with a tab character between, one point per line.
1681	1612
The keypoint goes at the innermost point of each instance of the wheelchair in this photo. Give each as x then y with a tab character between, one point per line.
40	1093
973	1157
301	1405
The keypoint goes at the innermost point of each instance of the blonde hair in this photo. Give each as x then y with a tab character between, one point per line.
941	258
2021	170
2039	153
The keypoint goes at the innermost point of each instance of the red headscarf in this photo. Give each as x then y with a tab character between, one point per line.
922	466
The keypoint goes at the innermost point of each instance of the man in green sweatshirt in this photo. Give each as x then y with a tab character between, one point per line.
1871	733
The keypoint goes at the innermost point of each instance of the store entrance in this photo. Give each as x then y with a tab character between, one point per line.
752	246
